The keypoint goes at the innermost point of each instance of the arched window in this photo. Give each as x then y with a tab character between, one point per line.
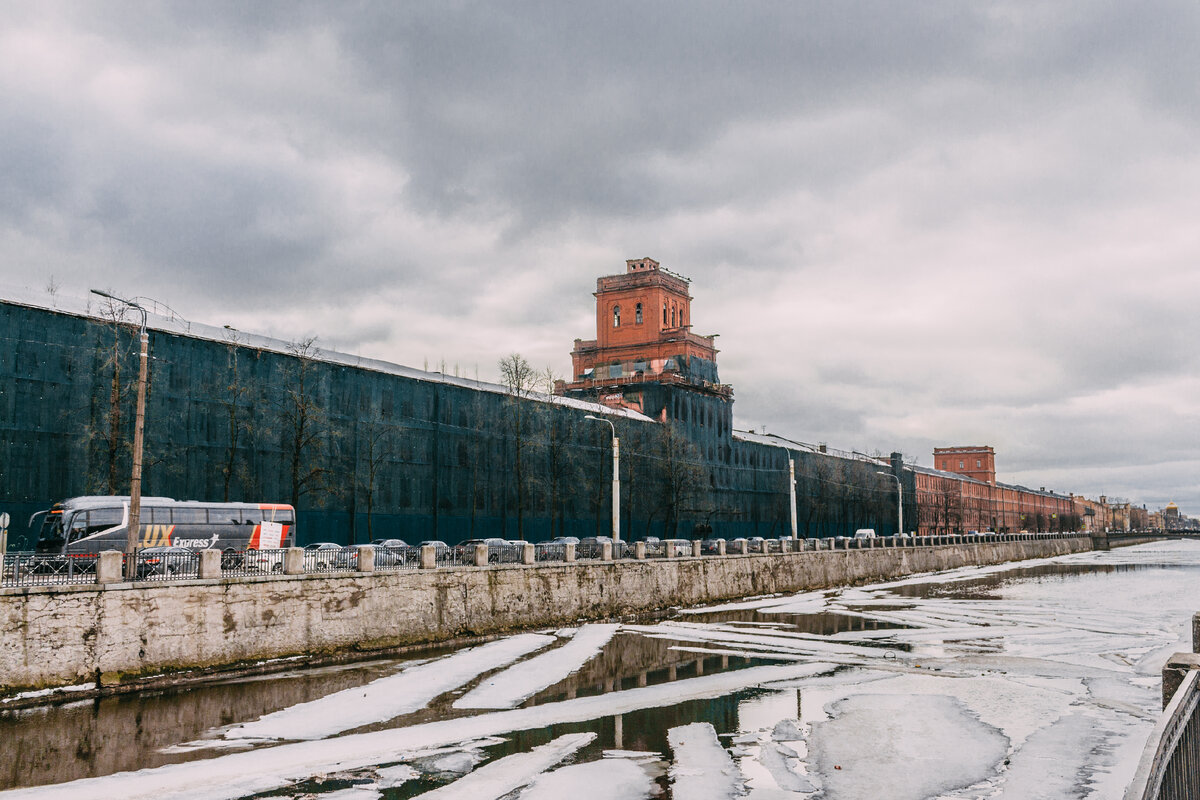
637	314
672	316
616	316
664	313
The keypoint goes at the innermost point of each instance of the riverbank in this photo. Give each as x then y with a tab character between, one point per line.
125	637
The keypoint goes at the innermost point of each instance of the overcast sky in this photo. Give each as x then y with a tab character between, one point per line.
913	224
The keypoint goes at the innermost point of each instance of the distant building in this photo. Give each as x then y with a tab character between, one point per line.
978	463
961	494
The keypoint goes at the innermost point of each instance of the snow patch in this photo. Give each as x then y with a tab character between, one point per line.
703	769
388	697
509	688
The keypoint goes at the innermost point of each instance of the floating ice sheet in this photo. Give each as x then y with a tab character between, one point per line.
510	773
610	779
519	682
703	769
388	697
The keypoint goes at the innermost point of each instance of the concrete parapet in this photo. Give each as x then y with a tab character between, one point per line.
428	556
696	549
108	567
721	547
366	558
569	552
606	551
293	561
739	547
639	551
210	563
527	553
1174	671
480	555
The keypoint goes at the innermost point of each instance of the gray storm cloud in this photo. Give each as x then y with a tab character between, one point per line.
912	225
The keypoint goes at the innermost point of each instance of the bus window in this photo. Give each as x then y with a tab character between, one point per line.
85	523
284	516
190	516
252	516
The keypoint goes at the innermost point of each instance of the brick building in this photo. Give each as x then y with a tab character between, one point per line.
961	494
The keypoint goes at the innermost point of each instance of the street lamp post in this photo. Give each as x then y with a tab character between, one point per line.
616	478
899	501
792	496
139	424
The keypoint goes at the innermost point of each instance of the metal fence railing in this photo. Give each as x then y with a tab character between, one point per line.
550	551
1170	765
252	562
512	553
331	560
33	569
392	559
175	563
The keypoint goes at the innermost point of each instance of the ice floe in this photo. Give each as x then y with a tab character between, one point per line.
609	779
703	769
508	688
510	773
388	697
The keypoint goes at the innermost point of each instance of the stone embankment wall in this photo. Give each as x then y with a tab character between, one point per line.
120	635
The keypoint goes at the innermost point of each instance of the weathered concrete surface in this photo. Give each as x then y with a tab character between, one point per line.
119	633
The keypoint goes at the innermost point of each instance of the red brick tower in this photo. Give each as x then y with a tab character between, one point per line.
643	337
974	462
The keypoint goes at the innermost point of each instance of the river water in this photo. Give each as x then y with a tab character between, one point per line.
1029	680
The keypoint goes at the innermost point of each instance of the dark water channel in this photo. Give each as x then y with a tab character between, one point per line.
58	743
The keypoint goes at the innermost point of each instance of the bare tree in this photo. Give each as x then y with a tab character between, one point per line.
234	396
377	442
106	427
683	476
521	380
304	421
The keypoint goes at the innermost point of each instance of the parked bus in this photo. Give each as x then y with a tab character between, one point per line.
96	523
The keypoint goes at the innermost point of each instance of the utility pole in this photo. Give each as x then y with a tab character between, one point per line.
139	424
616	478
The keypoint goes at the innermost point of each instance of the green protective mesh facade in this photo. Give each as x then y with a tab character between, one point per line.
365	453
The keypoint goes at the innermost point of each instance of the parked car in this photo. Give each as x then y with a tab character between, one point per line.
167	562
865	533
328	556
592	547
711	547
465	550
679	547
555	549
391	552
263	560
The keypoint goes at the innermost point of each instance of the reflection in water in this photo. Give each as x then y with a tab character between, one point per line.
50	744
987	587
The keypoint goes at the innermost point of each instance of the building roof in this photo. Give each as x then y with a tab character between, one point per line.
75	306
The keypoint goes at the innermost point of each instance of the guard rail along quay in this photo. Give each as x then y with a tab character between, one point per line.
1170	765
78	623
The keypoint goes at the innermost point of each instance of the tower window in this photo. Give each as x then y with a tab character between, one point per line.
672	316
616	316
664	313
637	314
